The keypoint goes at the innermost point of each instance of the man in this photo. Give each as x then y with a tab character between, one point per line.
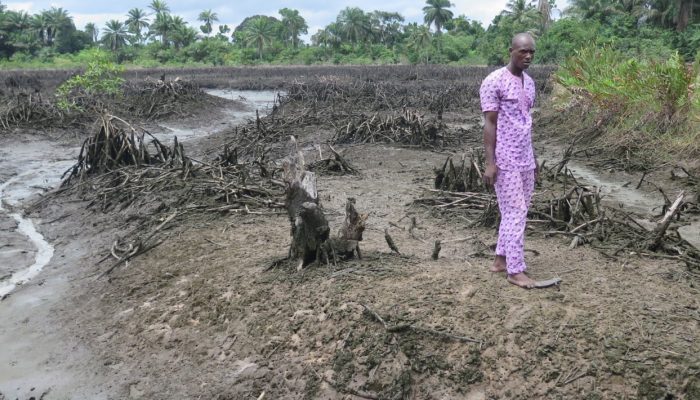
507	95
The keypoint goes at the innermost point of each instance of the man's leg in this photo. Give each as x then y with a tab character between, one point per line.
501	185
514	190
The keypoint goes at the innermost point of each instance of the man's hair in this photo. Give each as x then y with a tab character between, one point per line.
519	36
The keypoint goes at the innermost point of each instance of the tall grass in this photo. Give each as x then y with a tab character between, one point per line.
651	106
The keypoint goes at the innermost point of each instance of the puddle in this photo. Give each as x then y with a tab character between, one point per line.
262	101
31	165
691	233
619	191
35	169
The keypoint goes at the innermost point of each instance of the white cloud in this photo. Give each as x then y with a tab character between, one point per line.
26	7
98	19
481	11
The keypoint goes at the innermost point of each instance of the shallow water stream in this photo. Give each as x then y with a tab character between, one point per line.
33	166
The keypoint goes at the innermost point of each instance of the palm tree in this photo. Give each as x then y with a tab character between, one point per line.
420	40
294	25
115	34
223	32
437	13
91	29
354	23
590	9
208	17
663	13
39	25
182	34
259	33
159	7
162	26
685	13
328	37
322	38
57	19
545	10
136	22
18	20
521	12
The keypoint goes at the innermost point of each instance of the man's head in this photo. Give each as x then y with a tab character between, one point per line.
522	51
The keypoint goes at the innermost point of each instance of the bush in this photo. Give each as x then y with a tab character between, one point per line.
209	51
456	47
630	85
564	38
646	102
101	77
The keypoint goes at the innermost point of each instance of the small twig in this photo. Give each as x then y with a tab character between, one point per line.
390	242
405	327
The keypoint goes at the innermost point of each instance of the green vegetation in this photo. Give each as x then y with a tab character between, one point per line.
154	36
648	104
101	77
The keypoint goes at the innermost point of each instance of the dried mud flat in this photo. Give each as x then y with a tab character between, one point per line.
203	316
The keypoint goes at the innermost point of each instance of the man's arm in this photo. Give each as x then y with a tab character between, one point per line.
490	123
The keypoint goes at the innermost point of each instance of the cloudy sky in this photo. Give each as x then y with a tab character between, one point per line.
318	13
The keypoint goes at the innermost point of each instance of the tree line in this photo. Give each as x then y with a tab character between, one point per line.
154	35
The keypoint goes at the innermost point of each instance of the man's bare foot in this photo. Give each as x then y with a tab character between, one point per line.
499	264
521	280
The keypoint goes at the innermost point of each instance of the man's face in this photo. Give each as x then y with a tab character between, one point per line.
522	53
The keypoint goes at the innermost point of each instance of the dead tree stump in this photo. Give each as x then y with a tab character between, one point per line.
350	234
309	227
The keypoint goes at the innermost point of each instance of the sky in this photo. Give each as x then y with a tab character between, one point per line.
318	13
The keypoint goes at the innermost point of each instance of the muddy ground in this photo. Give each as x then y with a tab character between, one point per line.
203	316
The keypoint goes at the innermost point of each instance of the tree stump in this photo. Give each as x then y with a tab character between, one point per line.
309	227
350	234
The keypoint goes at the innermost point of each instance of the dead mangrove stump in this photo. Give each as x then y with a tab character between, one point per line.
309	227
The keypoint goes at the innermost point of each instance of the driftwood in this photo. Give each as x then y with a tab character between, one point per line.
547	283
662	226
334	165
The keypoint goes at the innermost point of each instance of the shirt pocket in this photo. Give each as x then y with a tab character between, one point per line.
511	96
510	100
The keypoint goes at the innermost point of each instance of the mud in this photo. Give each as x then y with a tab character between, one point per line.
203	316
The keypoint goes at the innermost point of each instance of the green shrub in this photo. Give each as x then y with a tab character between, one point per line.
650	106
101	77
628	86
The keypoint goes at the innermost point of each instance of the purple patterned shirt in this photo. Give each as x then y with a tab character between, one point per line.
512	97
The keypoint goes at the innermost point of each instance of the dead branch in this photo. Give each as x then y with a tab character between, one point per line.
418	329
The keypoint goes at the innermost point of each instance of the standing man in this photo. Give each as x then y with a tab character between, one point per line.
507	95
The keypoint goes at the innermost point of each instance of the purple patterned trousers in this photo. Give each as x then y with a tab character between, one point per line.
514	192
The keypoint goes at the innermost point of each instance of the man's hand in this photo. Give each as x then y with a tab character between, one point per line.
490	175
490	122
